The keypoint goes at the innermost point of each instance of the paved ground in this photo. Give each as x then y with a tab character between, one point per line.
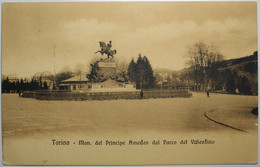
22	116
29	125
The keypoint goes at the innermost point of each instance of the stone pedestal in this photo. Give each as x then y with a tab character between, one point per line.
107	68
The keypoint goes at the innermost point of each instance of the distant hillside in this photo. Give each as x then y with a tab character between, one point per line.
240	74
250	63
163	70
233	62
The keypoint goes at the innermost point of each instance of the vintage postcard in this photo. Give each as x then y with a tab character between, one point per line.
129	83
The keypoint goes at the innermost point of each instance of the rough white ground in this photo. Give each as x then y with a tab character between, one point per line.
29	125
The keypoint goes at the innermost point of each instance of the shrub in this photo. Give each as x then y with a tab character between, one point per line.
58	95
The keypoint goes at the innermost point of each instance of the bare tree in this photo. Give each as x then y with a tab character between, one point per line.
203	64
121	69
64	74
79	69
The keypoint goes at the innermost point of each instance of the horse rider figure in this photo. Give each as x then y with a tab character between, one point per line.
109	45
106	48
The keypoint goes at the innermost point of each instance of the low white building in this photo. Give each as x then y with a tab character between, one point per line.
76	83
81	83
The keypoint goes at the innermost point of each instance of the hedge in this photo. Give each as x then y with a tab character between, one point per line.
66	95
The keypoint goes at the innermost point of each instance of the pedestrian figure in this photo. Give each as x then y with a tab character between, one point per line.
20	93
141	94
208	93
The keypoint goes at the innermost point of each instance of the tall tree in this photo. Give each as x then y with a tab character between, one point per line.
6	85
202	63
141	73
45	86
132	71
149	79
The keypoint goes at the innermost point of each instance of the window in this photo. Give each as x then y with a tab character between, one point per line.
74	87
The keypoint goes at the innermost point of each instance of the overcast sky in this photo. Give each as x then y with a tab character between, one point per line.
162	31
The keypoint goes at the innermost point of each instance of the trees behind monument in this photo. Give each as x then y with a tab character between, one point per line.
207	69
141	73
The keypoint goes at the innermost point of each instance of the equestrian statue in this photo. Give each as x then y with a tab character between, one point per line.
106	49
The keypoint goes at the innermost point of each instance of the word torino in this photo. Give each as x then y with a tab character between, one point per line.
60	142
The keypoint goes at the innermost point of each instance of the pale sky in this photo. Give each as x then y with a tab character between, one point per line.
162	31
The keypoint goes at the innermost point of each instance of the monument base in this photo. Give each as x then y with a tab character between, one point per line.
112	86
107	68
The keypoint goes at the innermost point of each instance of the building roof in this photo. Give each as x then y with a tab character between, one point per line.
78	78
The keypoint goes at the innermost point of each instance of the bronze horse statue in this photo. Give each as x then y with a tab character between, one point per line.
105	49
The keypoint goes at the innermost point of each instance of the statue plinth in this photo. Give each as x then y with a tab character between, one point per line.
107	68
107	64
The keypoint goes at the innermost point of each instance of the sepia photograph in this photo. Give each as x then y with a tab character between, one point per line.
129	83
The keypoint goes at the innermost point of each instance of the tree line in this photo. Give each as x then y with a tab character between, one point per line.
207	70
21	85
